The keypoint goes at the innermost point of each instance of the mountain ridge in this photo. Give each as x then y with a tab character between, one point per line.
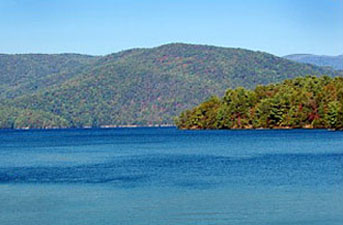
145	86
336	62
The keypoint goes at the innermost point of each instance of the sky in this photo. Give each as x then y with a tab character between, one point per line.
101	27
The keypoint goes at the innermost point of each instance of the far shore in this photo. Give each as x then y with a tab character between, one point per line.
165	126
90	127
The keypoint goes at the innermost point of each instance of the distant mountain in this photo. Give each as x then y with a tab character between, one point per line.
335	62
144	86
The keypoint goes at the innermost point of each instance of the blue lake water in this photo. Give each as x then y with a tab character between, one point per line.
167	176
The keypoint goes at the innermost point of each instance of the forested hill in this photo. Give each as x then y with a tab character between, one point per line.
336	62
21	74
309	102
144	86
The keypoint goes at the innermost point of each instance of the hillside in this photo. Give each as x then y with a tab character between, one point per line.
28	73
336	62
152	86
309	102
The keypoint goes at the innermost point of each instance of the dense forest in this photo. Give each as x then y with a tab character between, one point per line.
137	86
23	74
310	102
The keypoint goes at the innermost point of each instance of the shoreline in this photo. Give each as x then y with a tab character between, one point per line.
90	127
131	126
261	128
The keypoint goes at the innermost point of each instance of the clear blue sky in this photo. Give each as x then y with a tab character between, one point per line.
100	27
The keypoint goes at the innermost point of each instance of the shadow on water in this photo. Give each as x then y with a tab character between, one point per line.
190	171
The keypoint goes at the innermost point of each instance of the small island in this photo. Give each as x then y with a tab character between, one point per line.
308	102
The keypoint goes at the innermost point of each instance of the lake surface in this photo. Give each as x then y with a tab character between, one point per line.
166	176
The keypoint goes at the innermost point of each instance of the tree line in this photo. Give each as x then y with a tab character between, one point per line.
304	102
